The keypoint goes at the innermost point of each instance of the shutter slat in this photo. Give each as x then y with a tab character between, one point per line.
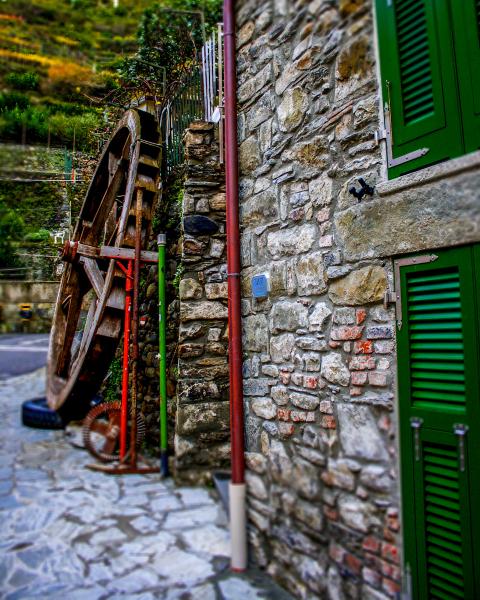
414	56
437	355
444	558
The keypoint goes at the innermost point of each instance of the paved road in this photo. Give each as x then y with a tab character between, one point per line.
22	353
68	533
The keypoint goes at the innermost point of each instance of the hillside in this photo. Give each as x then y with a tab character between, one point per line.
55	57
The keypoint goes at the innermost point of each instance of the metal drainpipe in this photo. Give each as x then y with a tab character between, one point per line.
162	353
238	525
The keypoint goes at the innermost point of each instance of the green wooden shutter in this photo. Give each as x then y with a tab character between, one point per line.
418	80
466	21
439	383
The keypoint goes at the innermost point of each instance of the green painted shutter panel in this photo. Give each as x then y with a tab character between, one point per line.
436	339
439	388
443	524
419	81
466	22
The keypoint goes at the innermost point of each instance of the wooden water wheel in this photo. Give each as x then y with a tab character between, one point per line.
89	313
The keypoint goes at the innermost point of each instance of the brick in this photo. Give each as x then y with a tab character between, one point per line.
356	391
377	379
336	552
391	587
323	215
346	333
371	577
388	536
390	553
299	416
297	378
379	332
328	422
310	382
390	571
372	561
284	377
286	429
393	522
361	315
359	378
326	407
363	347
333	344
283	414
325	241
360	363
384	346
353	563
371	544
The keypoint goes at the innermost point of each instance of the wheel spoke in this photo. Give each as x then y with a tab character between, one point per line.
95	276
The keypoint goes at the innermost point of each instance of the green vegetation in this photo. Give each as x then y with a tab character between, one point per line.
113	381
169	39
11	230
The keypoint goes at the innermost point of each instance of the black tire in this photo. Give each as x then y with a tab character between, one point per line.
35	413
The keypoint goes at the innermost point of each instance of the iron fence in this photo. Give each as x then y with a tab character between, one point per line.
177	114
199	97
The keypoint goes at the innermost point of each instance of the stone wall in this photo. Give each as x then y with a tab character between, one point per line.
320	350
319	372
202	429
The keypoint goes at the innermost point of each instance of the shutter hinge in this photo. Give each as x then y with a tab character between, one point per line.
387	135
396	296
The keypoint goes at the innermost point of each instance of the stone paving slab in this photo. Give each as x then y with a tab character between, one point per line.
73	534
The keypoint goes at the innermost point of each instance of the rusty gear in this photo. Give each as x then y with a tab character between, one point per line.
109	428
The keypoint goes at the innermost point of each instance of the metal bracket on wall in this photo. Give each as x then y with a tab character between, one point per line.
387	135
395	297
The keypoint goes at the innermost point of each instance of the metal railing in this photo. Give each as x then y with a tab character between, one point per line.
212	76
200	96
177	114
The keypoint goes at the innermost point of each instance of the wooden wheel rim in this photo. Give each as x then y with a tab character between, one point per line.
129	164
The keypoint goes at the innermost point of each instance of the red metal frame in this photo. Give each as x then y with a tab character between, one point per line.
126	355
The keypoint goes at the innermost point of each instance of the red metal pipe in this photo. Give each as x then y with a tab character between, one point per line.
233	248
126	351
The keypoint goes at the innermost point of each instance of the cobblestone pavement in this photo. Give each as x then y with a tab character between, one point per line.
70	533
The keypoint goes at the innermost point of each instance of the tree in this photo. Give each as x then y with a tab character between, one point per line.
169	40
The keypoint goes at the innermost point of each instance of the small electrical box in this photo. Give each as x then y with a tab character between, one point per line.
261	285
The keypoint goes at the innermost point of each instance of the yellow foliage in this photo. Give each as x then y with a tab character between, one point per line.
5	17
35	58
21	42
69	72
64	40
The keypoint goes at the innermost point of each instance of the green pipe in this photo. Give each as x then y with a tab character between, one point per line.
162	352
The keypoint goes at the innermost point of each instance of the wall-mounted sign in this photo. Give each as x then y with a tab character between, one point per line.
261	285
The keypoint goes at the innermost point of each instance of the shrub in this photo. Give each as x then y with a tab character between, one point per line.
42	235
23	81
12	100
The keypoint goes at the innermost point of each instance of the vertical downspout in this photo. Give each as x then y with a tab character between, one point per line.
162	353
238	528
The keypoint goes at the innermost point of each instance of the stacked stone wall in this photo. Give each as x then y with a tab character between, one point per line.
319	366
202	440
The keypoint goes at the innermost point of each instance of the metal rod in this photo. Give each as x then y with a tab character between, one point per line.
126	356
136	290
162	352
